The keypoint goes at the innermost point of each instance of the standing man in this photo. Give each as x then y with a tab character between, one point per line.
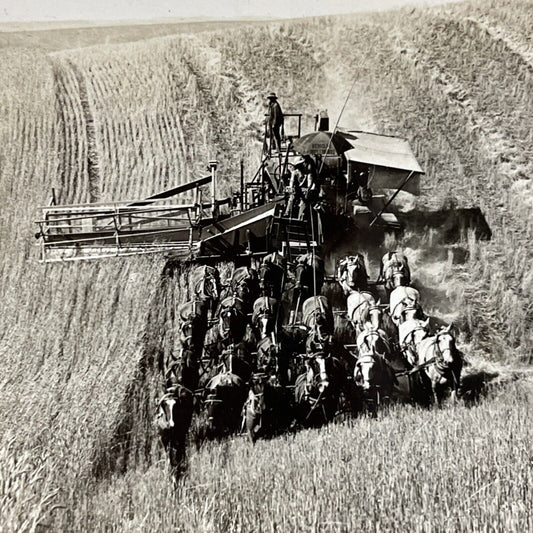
275	121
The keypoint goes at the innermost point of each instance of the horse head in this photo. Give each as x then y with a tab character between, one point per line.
258	384
409	313
411	333
302	274
319	339
165	416
318	372
173	406
264	275
445	345
206	284
268	351
264	315
231	319
399	278
309	272
374	375
442	362
257	410
193	331
321	325
212	287
373	341
354	272
374	315
395	270
236	359
270	278
365	371
245	286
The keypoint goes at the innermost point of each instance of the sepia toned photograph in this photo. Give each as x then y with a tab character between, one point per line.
265	266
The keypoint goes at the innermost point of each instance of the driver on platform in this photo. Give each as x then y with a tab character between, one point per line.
294	189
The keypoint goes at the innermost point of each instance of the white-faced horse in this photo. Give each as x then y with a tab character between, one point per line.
404	303
372	372
351	274
362	308
436	355
395	271
411	333
173	418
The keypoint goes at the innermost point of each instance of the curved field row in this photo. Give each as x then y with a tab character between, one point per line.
74	186
137	157
512	42
191	103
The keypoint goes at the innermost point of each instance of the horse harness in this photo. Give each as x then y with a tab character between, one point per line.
441	366
364	301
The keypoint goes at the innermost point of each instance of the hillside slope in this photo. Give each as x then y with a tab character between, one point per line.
81	345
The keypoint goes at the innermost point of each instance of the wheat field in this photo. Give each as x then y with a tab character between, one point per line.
82	345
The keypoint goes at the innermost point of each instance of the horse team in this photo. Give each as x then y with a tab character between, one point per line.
267	352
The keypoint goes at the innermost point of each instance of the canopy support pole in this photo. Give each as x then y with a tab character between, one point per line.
337	123
411	174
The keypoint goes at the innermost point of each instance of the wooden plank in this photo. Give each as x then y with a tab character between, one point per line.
174	191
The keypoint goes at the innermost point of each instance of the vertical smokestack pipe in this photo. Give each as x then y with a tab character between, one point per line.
241	207
213	166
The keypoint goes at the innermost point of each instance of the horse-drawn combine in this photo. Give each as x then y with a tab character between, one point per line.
193	221
301	331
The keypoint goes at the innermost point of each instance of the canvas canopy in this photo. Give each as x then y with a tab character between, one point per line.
391	158
383	151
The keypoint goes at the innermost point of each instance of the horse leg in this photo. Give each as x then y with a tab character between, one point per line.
372	407
456	376
437	393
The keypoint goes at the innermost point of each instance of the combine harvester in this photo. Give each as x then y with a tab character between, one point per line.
353	168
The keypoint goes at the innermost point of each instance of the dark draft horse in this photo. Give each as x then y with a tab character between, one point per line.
268	407
317	391
272	273
193	324
229	328
244	285
317	315
206	287
309	274
226	391
175	407
265	316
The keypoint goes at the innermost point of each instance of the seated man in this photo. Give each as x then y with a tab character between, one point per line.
310	186
294	189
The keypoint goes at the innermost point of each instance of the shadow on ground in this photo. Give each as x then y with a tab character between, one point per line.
477	385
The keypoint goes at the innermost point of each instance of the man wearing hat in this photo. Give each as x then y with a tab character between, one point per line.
275	120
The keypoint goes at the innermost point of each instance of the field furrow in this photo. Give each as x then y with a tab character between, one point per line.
82	345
